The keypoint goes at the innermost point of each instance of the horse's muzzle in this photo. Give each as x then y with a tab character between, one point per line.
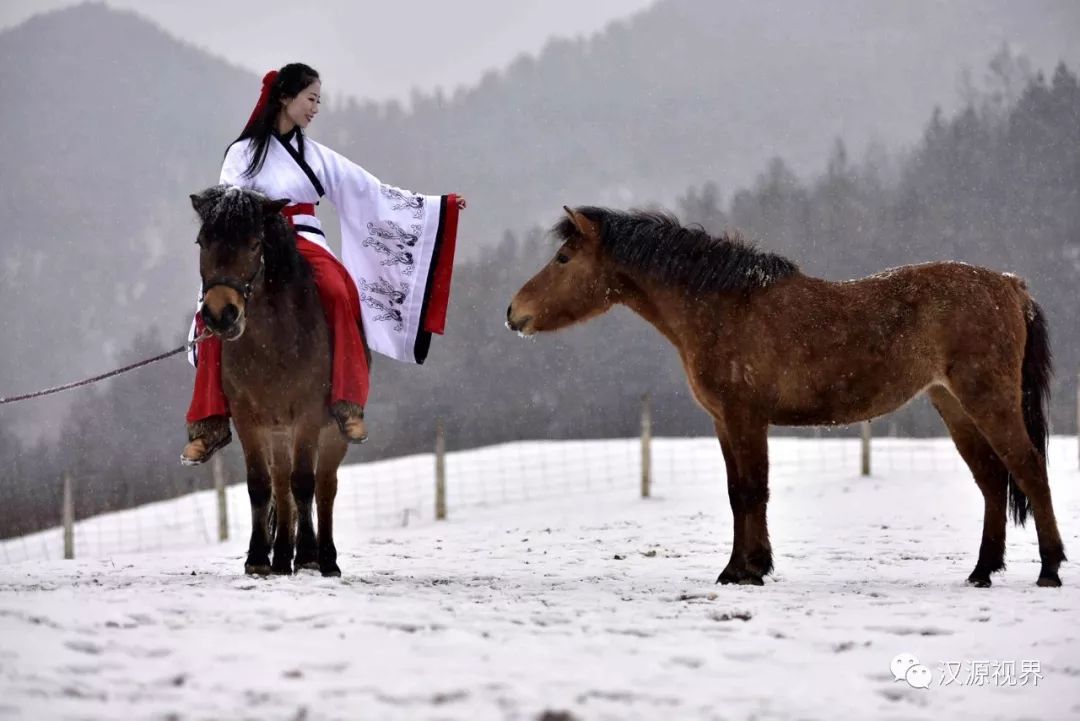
229	325
518	325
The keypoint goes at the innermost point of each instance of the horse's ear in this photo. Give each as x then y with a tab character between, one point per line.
585	227
273	207
199	203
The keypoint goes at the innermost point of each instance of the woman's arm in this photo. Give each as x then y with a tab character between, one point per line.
341	174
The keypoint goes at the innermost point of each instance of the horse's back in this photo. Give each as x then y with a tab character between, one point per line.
861	348
948	295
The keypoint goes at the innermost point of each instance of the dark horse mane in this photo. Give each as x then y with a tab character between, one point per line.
658	245
232	215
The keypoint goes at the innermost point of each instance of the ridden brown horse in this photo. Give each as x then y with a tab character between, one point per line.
259	296
763	344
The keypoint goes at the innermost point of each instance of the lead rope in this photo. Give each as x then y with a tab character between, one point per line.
49	391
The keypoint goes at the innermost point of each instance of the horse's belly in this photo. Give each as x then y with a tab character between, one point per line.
844	400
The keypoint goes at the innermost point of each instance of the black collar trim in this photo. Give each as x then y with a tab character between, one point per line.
298	156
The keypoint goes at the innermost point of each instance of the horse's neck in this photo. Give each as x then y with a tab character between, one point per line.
652	302
672	311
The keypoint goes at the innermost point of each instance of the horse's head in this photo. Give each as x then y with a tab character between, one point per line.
574	286
234	227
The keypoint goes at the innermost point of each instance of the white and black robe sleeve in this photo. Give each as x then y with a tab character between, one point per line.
399	249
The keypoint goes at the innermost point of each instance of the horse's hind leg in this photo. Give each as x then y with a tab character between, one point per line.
998	415
284	505
332	450
303	490
991	476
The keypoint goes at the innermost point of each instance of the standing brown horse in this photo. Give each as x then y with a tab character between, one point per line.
761	343
260	297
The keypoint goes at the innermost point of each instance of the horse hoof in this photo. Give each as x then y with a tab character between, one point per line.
979	581
739	578
306	560
283	570
1049	581
257	569
330	570
751	581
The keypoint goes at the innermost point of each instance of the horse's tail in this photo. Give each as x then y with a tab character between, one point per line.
1035	387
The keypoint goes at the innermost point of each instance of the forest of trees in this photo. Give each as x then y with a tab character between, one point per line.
996	184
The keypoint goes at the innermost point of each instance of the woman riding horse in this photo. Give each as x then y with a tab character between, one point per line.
398	250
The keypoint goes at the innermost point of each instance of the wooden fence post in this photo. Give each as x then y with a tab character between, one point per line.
68	514
217	469
440	470
865	427
646	446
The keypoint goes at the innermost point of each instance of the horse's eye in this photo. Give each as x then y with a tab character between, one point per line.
562	258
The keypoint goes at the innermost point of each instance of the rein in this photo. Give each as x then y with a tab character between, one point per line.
56	389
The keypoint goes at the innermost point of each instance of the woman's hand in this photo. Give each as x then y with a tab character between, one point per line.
461	204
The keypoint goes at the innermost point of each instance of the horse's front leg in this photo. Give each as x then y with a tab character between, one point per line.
746	453
736	567
260	497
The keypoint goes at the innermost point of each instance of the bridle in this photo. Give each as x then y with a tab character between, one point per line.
245	289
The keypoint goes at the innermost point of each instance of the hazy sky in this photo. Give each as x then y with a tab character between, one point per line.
369	49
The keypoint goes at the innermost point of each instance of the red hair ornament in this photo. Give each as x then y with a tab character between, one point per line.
264	96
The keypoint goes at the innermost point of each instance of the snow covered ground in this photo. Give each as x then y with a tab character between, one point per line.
553	592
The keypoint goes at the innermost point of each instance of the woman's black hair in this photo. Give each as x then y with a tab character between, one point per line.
290	82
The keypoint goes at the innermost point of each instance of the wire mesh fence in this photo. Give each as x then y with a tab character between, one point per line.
402	491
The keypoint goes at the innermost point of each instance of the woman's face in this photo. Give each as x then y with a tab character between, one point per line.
302	109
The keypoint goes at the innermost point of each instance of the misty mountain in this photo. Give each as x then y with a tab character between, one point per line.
114	123
689	91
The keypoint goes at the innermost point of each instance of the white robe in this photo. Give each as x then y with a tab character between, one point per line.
391	238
